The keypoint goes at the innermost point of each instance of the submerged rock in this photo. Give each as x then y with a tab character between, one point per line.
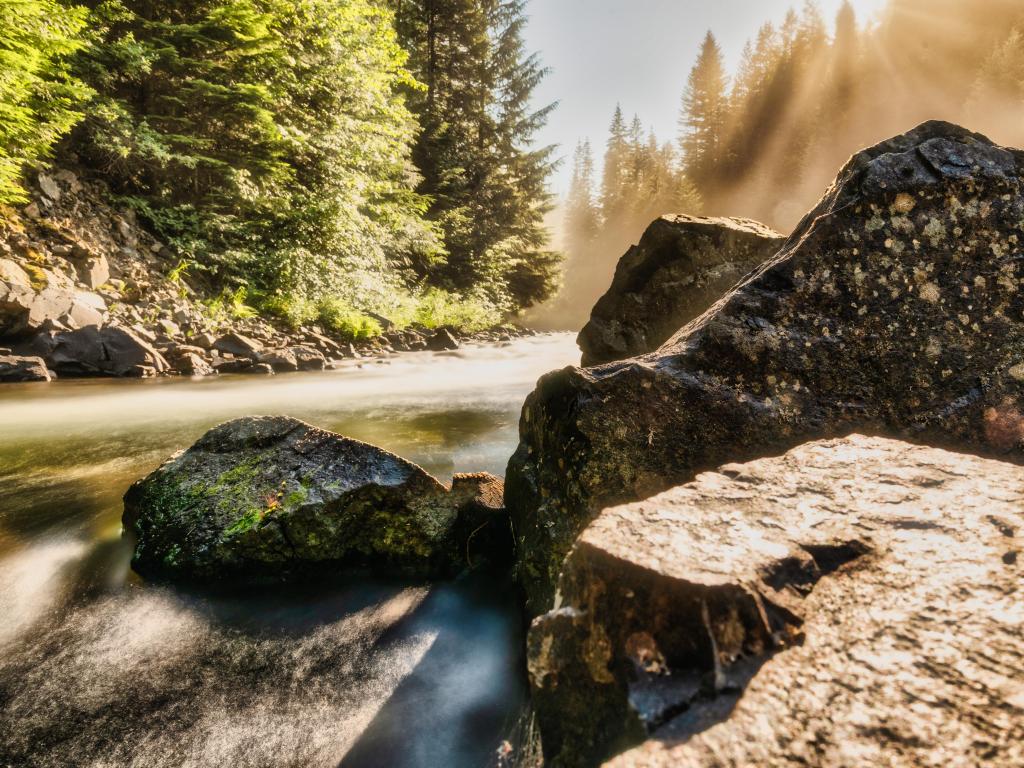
895	308
844	604
682	265
265	499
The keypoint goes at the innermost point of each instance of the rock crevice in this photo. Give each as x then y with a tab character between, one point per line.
833	587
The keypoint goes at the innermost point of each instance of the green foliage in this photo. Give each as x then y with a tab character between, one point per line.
486	180
345	321
229	305
265	140
436	308
39	99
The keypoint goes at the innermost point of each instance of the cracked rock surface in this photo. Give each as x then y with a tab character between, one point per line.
854	602
269	498
895	308
682	265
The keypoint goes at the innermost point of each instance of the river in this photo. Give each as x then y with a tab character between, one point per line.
100	669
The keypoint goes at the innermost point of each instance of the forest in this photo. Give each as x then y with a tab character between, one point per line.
764	142
316	159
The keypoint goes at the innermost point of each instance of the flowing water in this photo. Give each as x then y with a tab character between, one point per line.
100	669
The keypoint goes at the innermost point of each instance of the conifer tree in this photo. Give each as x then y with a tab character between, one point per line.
614	202
582	217
486	179
703	117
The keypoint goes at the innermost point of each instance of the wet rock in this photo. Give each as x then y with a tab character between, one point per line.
265	499
894	308
281	360
93	351
802	610
14	368
191	364
682	266
257	369
239	345
442	341
309	359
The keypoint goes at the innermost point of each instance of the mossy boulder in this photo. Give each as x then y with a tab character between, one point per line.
271	498
895	308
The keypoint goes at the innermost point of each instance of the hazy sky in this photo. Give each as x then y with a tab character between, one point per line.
637	52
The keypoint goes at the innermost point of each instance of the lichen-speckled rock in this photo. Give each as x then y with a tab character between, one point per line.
682	265
855	602
268	498
895	308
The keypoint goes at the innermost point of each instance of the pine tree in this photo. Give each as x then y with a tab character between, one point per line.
614	179
39	99
184	122
845	63
703	117
486	179
582	217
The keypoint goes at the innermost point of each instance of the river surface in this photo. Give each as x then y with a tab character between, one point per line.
100	669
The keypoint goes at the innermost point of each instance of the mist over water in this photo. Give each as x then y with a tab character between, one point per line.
99	669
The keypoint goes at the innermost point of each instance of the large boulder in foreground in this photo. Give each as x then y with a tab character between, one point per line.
895	308
269	498
854	602
682	265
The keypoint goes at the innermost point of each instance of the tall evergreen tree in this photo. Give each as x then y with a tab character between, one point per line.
703	118
614	177
582	217
486	179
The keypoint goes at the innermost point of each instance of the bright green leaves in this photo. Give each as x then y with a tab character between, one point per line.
39	100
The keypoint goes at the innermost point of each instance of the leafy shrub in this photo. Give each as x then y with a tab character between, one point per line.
339	317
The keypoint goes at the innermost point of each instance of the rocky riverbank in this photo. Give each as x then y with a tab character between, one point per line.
86	291
847	595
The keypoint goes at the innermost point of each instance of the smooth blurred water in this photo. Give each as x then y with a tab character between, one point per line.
100	669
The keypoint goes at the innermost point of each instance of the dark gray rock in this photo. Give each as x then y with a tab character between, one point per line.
442	341
895	308
14	368
682	265
93	351
803	610
266	499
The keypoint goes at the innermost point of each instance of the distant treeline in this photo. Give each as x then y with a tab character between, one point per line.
765	142
377	152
